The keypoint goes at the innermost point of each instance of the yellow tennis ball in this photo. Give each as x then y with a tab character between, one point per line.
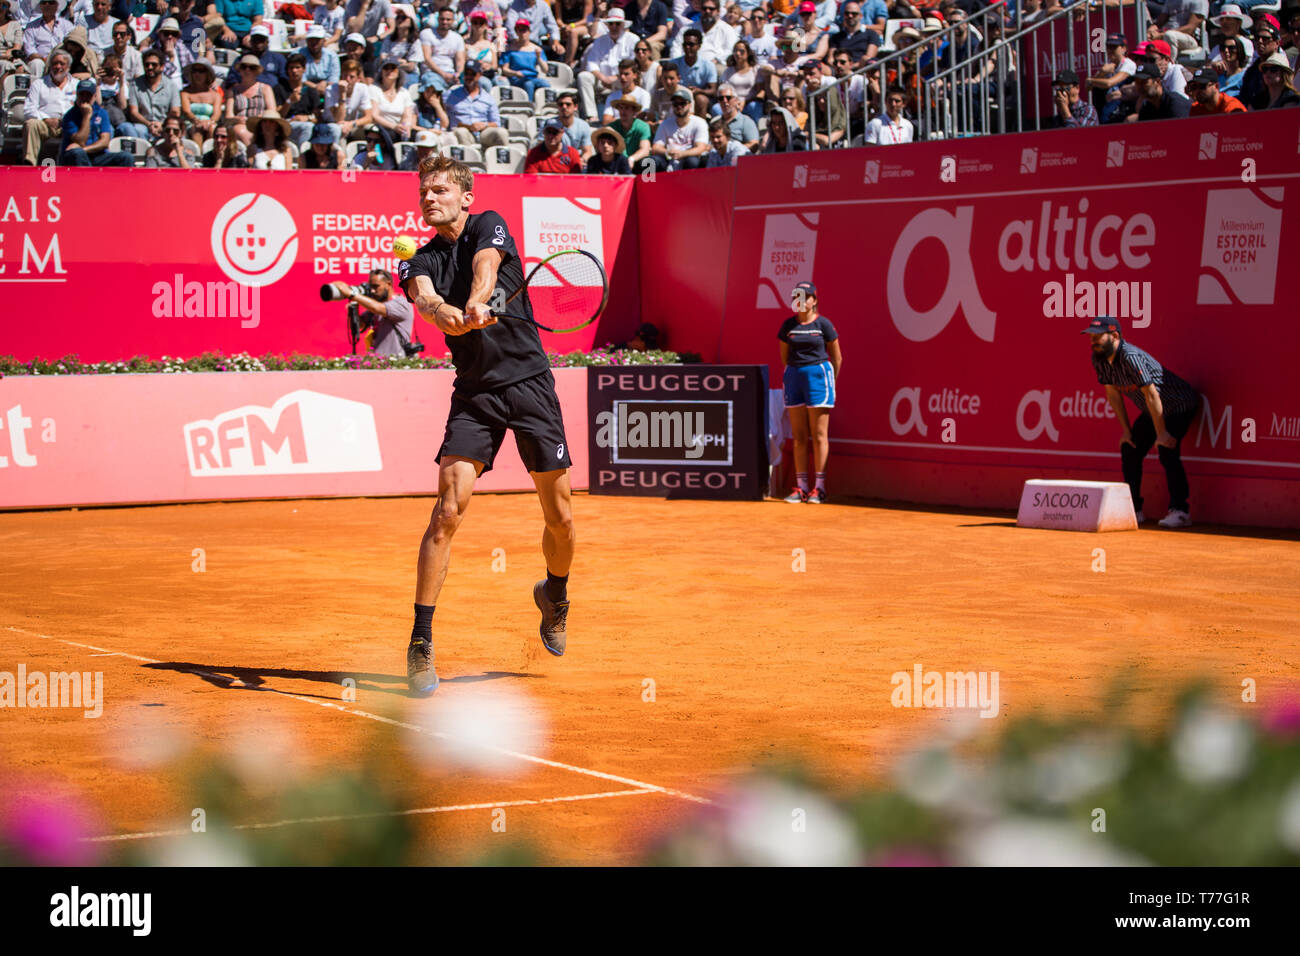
404	247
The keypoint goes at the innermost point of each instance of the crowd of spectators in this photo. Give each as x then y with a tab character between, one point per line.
647	84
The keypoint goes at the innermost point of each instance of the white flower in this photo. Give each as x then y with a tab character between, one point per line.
772	823
1288	822
1211	746
1025	842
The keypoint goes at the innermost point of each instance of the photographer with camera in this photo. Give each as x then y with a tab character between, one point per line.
389	319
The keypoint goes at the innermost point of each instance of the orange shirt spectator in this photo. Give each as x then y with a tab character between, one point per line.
1203	88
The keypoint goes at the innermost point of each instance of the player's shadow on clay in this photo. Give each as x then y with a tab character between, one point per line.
255	678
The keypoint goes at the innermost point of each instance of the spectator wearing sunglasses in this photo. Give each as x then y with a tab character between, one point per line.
1279	86
127	54
1267	37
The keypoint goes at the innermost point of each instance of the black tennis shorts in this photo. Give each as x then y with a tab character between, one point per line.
477	424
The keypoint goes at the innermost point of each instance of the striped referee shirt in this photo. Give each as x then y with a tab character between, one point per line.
1134	369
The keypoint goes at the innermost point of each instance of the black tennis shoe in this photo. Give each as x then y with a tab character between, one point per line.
420	675
555	617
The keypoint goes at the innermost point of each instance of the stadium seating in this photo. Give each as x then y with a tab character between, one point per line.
134	147
506	159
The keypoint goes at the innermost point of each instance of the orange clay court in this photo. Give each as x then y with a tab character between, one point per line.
750	659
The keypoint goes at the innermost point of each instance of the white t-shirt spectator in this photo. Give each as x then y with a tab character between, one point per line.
394	109
441	51
638	93
331	20
694	133
1127	67
604	54
47	101
357	103
718	42
100	35
1175	80
882	131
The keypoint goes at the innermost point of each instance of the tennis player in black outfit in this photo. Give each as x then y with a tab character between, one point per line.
503	381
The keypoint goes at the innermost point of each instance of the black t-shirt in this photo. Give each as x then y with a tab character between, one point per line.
619	166
854	44
1172	106
807	342
496	355
645	26
309	102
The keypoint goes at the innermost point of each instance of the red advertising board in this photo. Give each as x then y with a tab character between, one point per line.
124	439
109	263
960	274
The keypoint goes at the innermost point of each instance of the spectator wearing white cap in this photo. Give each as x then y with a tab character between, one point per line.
682	138
259	45
48	99
330	17
193	32
427	143
238	17
600	65
444	51
322	63
42	34
1232	22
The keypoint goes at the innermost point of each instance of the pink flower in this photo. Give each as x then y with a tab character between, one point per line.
49	830
909	856
1283	720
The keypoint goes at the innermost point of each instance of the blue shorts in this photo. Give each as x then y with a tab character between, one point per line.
810	385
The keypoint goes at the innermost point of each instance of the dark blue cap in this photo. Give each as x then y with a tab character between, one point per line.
1103	324
807	288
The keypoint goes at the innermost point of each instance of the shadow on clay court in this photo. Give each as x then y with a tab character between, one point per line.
255	678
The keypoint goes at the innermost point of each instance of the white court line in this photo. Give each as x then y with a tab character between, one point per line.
119	837
355	712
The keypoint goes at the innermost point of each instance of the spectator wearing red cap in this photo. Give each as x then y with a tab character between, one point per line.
1181	21
1159	53
543	30
551	155
1203	89
523	62
816	41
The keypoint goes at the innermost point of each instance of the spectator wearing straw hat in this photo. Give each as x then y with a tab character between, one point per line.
1072	111
201	100
87	131
168	150
552	155
176	55
194	34
1157	102
634	131
271	142
321	66
599	72
248	99
1232	22
1279	89
1207	99
323	151
610	158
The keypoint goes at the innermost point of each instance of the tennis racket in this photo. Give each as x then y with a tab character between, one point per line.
569	285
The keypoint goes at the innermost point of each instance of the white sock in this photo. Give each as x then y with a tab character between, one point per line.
802	478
